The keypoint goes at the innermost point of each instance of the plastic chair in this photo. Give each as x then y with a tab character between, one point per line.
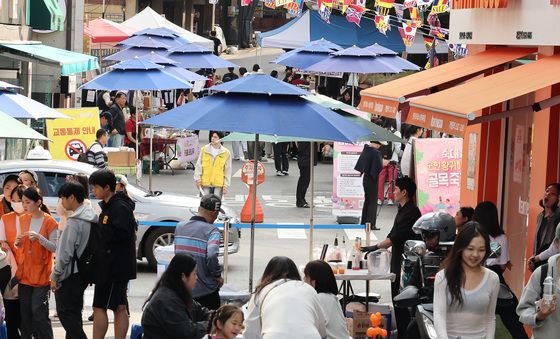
135	332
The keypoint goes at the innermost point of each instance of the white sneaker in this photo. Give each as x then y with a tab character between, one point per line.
279	173
390	202
379	202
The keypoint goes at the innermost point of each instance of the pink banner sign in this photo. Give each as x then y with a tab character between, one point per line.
348	191
438	174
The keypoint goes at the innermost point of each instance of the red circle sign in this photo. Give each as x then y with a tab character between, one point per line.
247	172
74	147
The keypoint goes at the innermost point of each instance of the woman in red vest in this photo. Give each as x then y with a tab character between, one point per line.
36	246
10	225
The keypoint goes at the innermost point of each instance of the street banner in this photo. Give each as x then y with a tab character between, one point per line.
438	174
72	136
187	149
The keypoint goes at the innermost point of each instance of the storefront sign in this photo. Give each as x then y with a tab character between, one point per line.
438	174
72	136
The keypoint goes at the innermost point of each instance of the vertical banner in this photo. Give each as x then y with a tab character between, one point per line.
187	149
72	136
438	174
348	191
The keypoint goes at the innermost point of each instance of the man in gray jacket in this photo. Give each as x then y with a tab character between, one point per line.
66	283
201	239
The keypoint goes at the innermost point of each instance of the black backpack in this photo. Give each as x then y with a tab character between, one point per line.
386	150
82	157
92	257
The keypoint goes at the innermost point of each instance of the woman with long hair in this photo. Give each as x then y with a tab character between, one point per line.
319	274
283	306
486	214
36	245
465	292
170	311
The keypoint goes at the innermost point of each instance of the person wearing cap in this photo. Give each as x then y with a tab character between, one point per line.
369	164
122	181
201	239
10	182
28	178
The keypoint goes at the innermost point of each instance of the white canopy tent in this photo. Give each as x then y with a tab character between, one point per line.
148	18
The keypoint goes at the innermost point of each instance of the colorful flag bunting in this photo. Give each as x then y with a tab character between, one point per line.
441	6
270	4
359	3
423	4
407	31
428	42
408	4
327	3
279	3
436	63
354	14
325	12
382	23
245	2
459	50
399	9
435	26
416	16
294	8
343	5
385	6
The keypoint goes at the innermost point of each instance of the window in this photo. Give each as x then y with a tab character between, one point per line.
51	182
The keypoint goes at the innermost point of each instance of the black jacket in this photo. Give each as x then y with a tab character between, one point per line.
304	154
369	162
117	121
118	232
167	317
401	232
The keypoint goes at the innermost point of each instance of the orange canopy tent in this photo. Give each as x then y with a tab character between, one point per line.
102	30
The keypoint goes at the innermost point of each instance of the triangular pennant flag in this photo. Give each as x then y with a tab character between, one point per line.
212	2
436	63
407	31
270	4
382	24
399	9
294	7
359	3
325	13
245	2
279	3
428	41
416	16
408	4
423	4
327	3
343	5
385	6
441	6
354	14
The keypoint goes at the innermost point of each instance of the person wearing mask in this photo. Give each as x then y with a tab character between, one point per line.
466	292
320	276
369	164
414	133
230	75
463	215
283	306
304	158
486	214
118	231
66	283
407	214
38	239
10	182
542	317
200	232
29	178
118	120
212	172
170	311
547	221
10	230
95	153
130	139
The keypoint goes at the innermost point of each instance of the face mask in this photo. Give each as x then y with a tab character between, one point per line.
17	207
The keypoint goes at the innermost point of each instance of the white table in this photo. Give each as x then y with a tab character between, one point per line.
350	275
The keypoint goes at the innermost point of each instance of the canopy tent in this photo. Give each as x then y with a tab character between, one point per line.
148	18
69	62
102	30
309	26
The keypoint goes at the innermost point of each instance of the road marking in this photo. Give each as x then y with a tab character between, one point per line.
237	174
291	233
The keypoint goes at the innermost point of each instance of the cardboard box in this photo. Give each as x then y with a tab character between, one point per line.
122	159
361	322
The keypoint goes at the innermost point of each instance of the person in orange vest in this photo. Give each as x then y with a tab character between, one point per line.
212	172
36	246
10	182
10	225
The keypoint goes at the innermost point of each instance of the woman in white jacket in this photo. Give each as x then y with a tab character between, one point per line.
319	274
542	318
415	132
283	306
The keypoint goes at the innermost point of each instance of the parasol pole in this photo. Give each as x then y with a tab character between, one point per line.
151	158
253	212
312	205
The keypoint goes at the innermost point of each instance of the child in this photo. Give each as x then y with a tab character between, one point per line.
225	323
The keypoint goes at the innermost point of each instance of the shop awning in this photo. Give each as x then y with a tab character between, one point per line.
384	99
70	62
45	15
451	110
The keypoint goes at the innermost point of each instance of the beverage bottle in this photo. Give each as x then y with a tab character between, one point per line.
356	254
336	250
344	249
548	290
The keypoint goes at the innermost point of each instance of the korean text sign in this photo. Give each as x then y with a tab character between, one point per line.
72	136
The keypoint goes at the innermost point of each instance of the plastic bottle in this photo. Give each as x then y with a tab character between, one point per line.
548	290
356	254
336	255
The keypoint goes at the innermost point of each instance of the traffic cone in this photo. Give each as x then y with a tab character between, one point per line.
246	210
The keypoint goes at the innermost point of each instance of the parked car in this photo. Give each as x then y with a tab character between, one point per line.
155	207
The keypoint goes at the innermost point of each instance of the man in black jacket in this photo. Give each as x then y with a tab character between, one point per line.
114	271
304	158
369	164
118	121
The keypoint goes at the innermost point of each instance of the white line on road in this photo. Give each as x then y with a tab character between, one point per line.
291	233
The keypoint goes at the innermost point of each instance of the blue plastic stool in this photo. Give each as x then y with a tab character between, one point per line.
3	331
135	332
